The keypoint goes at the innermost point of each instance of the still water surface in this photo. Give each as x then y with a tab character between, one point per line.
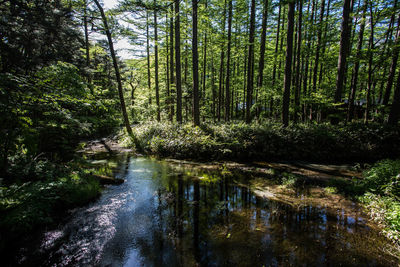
162	216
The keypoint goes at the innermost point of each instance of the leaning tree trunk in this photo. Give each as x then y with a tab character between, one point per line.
288	65
116	68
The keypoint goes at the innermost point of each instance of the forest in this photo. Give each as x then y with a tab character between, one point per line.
299	95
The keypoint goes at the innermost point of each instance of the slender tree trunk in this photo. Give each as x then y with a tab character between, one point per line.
156	65
262	48
344	48
394	114
393	66
87	46
275	58
298	61
178	64
321	69
228	63
307	52
221	69
288	65
350	111
195	62
172	66
148	55
370	61
204	66
167	100
116	68
250	65
319	37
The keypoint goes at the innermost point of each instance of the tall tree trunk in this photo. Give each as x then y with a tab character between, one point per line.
204	65
394	113
344	48
298	63
288	65
148	55
275	58
116	68
250	65
178	63
171	62
350	111
321	69
221	68
370	62
262	48
167	99
319	37
228	63
156	64
393	65
87	47
307	52
195	62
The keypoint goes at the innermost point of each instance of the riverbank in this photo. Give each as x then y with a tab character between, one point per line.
269	141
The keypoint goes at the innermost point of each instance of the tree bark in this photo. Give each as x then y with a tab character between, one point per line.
298	61
288	65
148	55
178	64
156	64
350	111
116	68
393	66
319	37
250	65
195	65
344	48
262	46
228	62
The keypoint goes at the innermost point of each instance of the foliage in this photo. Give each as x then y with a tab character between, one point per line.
269	141
49	113
26	206
382	198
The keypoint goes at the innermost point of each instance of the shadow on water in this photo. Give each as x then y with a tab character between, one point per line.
161	216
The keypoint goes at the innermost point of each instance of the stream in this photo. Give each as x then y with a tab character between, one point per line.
168	216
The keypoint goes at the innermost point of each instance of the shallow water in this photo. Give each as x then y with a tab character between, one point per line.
162	216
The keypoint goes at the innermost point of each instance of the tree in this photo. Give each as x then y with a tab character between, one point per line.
195	64
288	65
116	69
178	64
344	48
156	63
250	64
228	63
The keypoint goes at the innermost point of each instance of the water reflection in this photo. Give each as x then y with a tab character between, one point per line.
160	217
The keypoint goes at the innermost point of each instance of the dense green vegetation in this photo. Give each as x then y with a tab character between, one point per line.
269	141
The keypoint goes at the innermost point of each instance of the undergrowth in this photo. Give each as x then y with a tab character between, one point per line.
269	141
